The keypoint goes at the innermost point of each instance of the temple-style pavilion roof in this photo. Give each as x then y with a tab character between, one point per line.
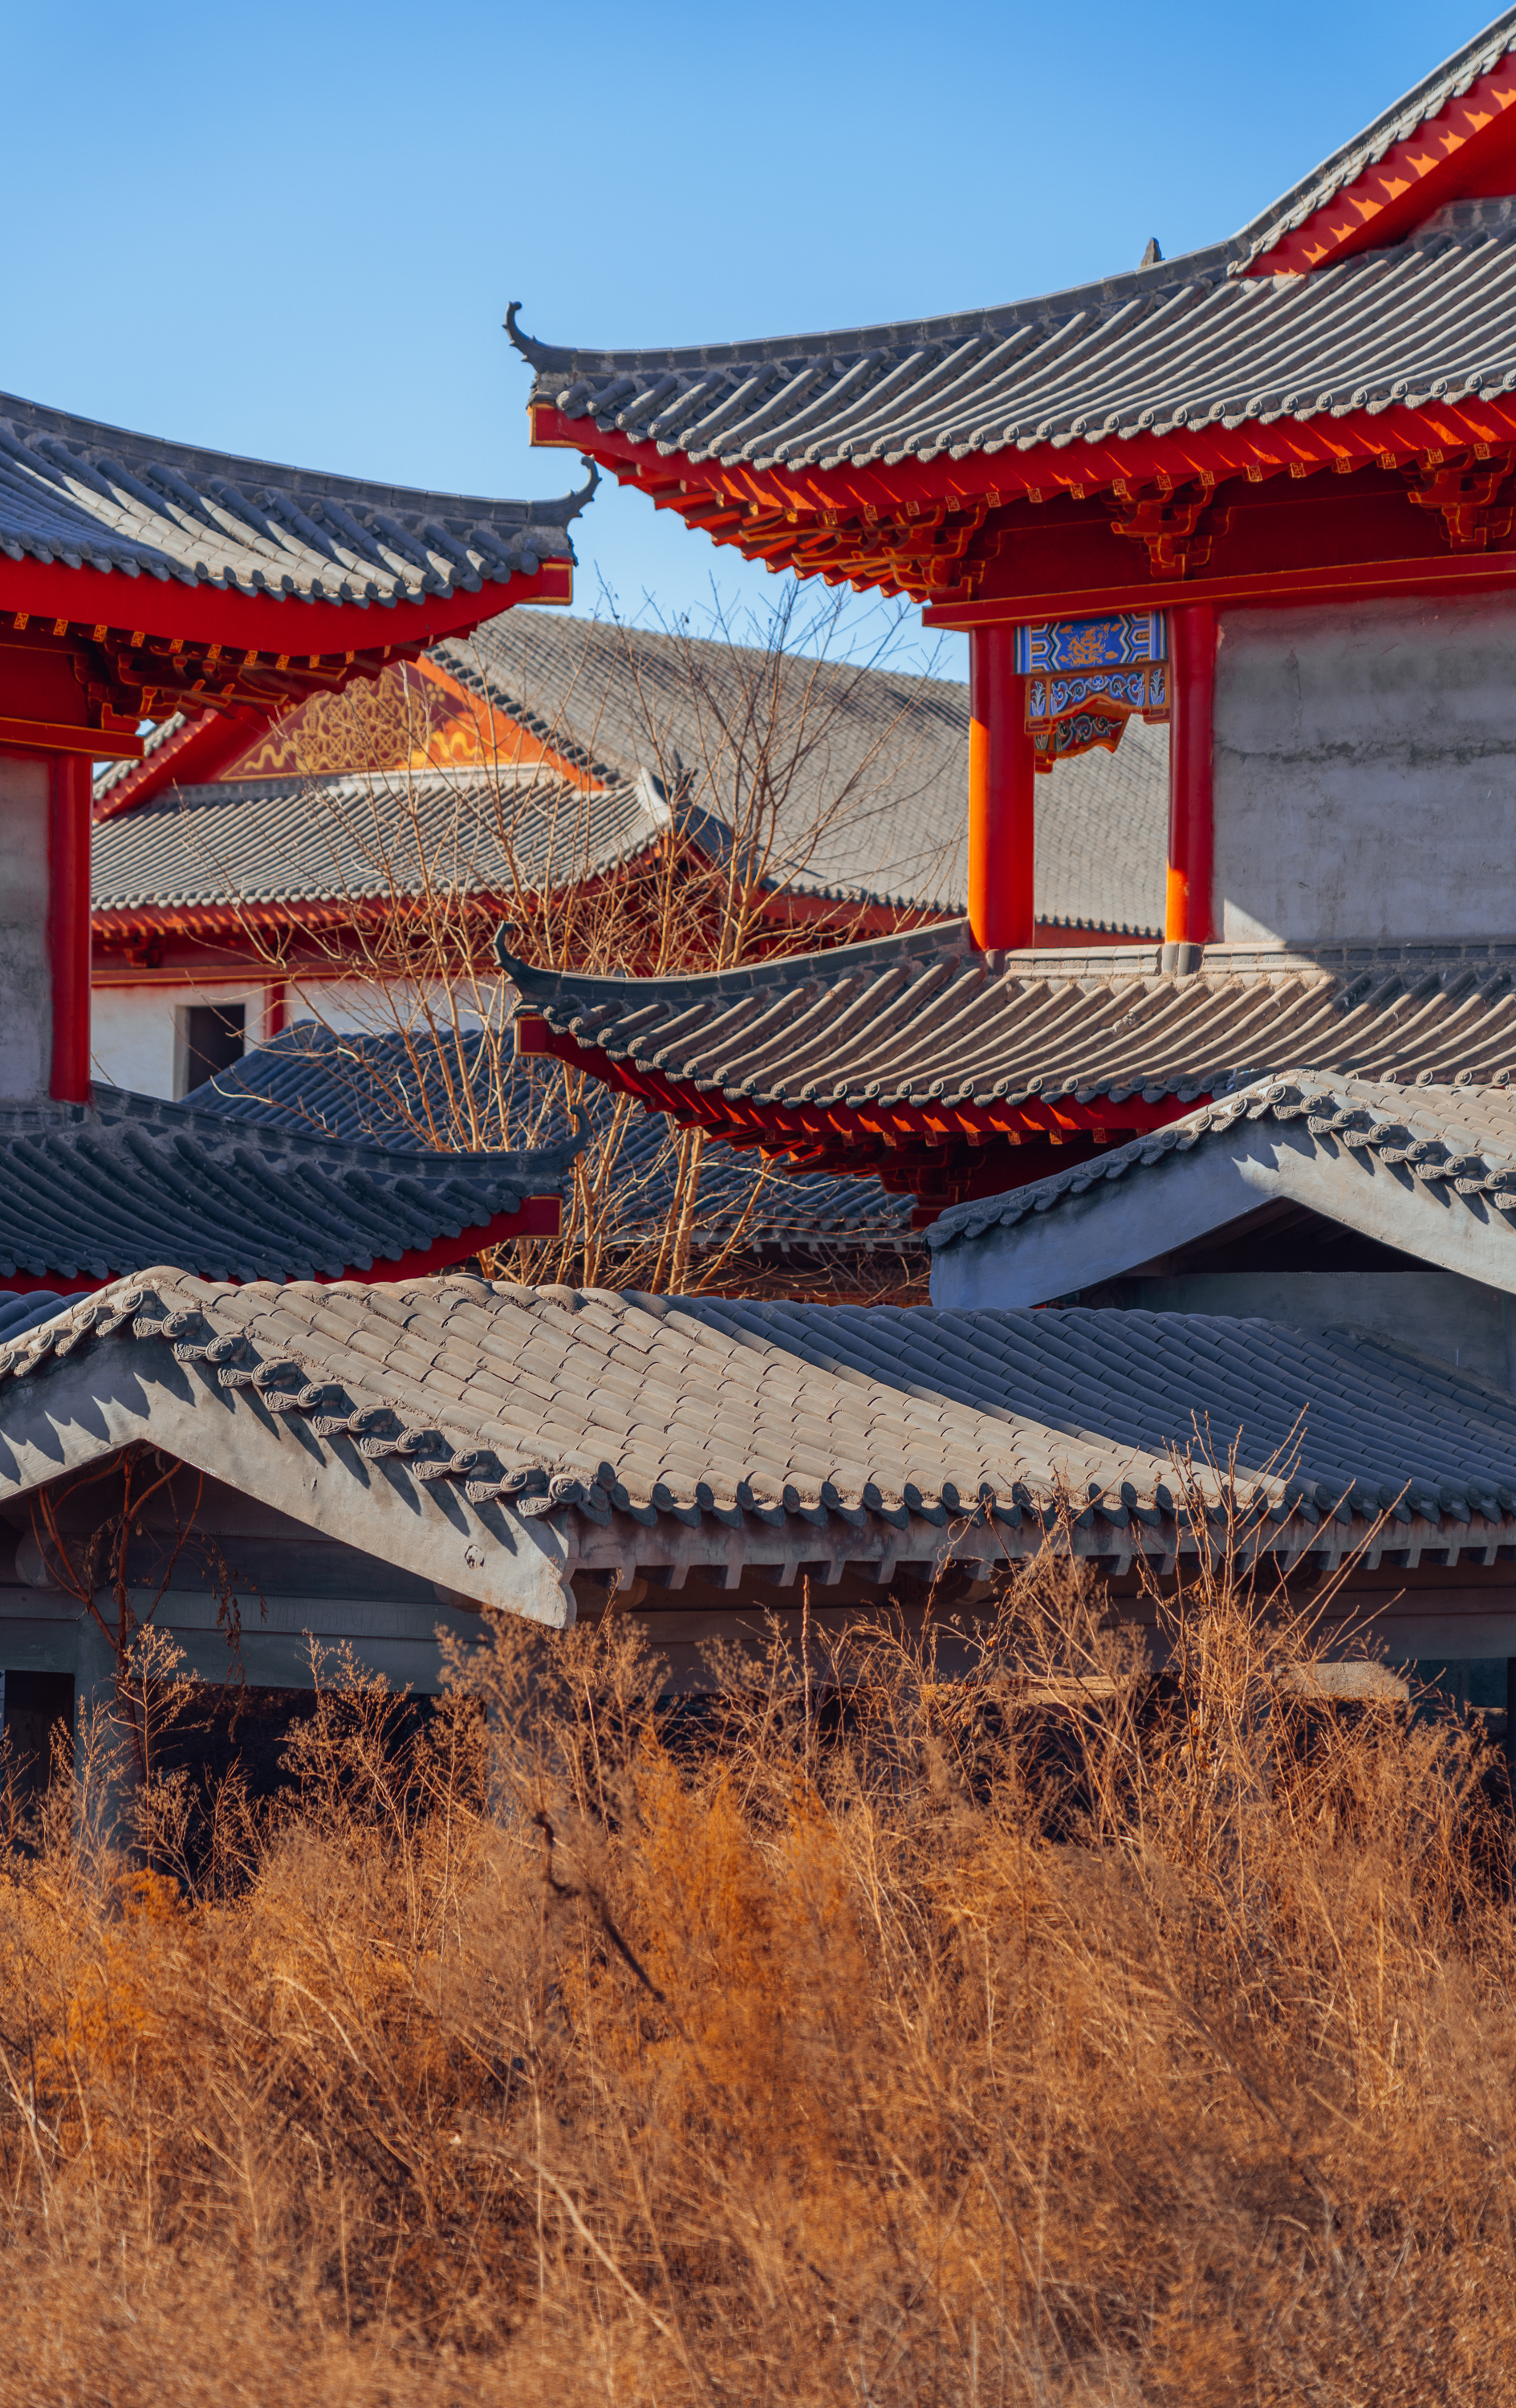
1181	344
89	495
944	1066
1429	1171
93	1190
1158	350
409	1090
533	1436
1363	322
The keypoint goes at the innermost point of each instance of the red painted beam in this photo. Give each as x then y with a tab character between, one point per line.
1002	787
68	926
1191	672
208	614
1462	572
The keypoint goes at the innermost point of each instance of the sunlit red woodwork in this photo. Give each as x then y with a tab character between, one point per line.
1191	663
1002	788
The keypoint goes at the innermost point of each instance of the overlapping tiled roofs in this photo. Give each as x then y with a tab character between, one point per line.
89	495
638	1427
654	731
410	1090
92	1191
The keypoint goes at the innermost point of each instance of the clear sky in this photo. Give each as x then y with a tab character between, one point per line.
292	231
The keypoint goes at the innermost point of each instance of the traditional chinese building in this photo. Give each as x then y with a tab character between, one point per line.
141	581
1265	489
1259	491
573	763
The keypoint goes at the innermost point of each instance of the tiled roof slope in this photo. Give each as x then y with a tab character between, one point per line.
1178	344
871	762
1459	1142
219	847
89	495
93	1191
393	1089
923	1018
639	1422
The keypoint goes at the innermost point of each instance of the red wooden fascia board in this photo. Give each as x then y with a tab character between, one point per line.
262	623
540	1216
1046	471
1460	153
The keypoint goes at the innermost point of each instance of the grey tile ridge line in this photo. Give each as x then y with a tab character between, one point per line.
840	961
1160	281
1412	110
1268	1096
259	1137
149	450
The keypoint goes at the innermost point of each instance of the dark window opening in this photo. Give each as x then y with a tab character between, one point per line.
214	1037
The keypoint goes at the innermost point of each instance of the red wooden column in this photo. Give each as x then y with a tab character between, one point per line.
1192	671
69	924
1001	794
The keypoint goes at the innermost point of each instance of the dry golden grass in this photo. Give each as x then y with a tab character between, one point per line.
1044	2036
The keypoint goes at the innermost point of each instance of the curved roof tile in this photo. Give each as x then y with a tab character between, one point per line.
91	496
94	1190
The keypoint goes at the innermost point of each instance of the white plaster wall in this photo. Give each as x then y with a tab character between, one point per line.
25	975
133	1031
1366	771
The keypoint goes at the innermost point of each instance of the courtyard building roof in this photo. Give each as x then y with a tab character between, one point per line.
504	1442
1427	1170
92	1189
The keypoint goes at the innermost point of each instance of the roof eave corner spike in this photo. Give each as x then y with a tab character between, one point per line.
569	506
504	959
541	355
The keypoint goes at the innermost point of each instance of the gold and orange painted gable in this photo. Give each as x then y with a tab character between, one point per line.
412	718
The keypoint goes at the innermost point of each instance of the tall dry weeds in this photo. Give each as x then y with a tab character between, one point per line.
1055	2034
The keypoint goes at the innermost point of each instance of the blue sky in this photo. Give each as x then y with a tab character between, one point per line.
292	231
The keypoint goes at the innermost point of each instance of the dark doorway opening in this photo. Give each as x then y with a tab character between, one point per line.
214	1037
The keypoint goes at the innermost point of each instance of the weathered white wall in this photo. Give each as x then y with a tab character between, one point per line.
133	1039
26	978
133	1031
1366	771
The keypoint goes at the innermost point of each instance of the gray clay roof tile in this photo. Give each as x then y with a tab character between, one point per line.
92	1189
1079	1021
89	495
